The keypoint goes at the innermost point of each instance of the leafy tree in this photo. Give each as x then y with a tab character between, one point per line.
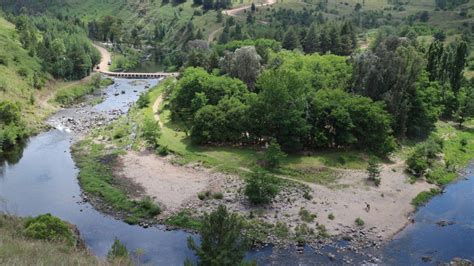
151	132
222	242
466	105
417	162
261	188
273	155
286	124
244	64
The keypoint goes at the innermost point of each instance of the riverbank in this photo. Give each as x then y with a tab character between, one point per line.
335	196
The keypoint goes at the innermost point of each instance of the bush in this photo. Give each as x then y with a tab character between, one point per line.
417	163
143	101
359	222
151	132
306	216
273	155
218	195
331	216
118	250
163	150
50	228
261	188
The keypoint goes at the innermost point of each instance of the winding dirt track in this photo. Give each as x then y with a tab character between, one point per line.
234	13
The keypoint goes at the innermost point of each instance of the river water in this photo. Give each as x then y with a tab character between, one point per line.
42	178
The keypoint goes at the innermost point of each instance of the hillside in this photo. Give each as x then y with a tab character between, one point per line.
18	70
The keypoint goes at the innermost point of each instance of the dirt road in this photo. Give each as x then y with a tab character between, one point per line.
234	13
106	58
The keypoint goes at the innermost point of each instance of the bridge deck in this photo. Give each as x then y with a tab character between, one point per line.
139	75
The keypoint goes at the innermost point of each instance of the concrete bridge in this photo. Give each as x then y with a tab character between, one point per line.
157	75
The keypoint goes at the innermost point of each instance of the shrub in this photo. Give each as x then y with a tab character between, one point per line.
151	132
118	250
307	196
143	100
218	195
281	230
306	216
417	162
273	155
301	231
359	222
322	231
261	188
331	216
204	195
147	208
50	228
163	150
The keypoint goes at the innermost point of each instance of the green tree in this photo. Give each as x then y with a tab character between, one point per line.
222	242
273	155
310	42
261	188
466	105
291	40
373	171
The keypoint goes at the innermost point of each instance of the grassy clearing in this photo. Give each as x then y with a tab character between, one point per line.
17	249
425	196
241	160
96	178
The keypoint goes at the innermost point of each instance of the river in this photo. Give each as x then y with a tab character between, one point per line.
42	178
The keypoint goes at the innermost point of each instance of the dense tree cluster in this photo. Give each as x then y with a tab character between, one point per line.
393	72
313	110
62	46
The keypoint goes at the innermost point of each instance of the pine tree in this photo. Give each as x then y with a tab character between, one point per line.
291	40
310	43
373	170
222	242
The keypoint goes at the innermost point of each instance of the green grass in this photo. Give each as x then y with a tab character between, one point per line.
96	178
16	77
184	219
423	197
71	92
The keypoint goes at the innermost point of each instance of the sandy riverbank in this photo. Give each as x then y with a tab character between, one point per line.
176	187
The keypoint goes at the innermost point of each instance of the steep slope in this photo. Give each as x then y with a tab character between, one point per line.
18	73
